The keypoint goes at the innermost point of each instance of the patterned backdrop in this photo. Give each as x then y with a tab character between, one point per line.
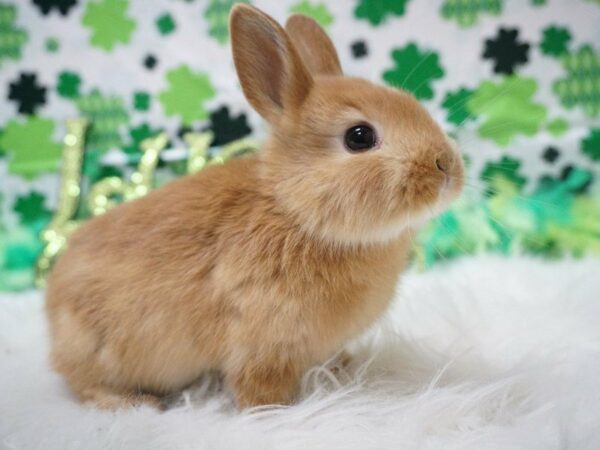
516	82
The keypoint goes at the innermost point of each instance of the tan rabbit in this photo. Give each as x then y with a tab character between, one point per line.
267	265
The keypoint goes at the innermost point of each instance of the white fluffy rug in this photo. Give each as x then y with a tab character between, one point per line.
483	354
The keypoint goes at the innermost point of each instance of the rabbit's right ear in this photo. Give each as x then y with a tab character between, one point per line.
273	77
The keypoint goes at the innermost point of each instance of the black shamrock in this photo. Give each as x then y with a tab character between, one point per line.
226	128
27	93
506	52
45	6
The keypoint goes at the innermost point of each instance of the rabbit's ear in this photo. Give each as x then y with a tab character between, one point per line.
273	77
315	47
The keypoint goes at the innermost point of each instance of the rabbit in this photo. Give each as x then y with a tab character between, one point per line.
269	264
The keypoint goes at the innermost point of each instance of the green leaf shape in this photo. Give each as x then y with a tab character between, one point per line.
581	85
30	147
107	116
68	84
109	23
555	41
467	12
557	127
141	101
217	16
376	11
558	218
165	24
31	208
456	104
414	71
52	45
590	145
506	169
317	11
507	108
12	38
186	94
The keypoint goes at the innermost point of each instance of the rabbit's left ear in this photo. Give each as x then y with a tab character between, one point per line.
316	49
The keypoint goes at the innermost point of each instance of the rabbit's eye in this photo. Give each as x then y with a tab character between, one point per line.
360	138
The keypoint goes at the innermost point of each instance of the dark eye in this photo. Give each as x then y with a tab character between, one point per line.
360	138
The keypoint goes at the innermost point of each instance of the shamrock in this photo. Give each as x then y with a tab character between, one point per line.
186	93
226	128
465	12
590	145
109	23
11	37
456	104
107	115
359	49
68	84
63	6
506	51
319	12
165	24
555	41
507	168
550	154
414	71
141	101
557	126
508	109
31	208
30	147
375	11
581	86
217	15
27	93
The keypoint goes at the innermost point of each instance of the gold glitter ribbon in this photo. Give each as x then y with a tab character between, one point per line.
107	192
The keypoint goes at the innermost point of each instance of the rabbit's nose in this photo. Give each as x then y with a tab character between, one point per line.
442	162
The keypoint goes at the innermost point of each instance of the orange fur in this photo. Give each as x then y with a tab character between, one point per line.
264	266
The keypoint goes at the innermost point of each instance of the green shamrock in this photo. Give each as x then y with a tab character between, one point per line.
319	12
68	85
557	126
591	144
555	41
141	101
165	24
217	16
107	115
507	168
581	86
466	12
456	104
109	23
508	109
12	38
186	93
414	71
30	147
31	208
375	11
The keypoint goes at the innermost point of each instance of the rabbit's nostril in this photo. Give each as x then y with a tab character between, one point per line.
441	164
